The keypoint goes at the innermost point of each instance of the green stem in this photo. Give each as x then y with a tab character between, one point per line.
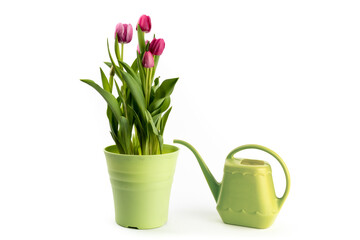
121	55
147	86
151	76
122	52
150	82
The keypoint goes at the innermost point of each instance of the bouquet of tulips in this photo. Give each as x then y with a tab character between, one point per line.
138	114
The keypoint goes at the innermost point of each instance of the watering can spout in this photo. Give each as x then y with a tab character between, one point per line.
213	184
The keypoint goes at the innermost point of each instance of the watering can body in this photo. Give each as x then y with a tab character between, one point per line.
246	194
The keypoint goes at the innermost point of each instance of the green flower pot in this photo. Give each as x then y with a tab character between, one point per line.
141	186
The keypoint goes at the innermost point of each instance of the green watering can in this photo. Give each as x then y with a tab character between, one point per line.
246	195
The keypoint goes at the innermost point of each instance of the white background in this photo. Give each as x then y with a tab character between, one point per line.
283	74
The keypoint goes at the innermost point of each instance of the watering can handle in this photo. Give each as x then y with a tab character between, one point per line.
275	155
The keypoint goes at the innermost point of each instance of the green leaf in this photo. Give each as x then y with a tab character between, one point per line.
156	81
119	93
112	60
141	39
130	71
121	100
163	121
135	90
162	108
105	81
156	61
155	104
138	124
136	144
112	121
109	64
161	141
115	67
150	121
113	129
118	89
111	82
125	130
134	65
156	119
166	88
118	72
117	51
165	104
117	142
153	90
141	68
109	98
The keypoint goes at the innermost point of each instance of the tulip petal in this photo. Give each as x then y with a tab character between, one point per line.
129	33
124	32
144	23
157	46
148	60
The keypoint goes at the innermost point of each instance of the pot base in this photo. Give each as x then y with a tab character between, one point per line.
141	227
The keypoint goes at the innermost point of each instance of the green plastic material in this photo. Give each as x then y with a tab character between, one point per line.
141	186
246	195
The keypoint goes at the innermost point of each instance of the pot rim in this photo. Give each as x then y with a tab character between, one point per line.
175	151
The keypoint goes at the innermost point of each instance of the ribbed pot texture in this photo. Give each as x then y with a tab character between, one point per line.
141	186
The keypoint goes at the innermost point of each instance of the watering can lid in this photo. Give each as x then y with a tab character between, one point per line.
236	164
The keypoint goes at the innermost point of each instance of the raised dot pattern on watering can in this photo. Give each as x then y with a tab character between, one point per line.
247	212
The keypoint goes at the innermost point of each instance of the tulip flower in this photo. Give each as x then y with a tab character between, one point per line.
148	60
144	23
157	46
124	32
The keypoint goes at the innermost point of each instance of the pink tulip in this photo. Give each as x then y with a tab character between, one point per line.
148	60
124	32
157	46
145	23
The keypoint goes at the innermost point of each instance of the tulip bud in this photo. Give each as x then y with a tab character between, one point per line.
124	32
148	60
157	46
144	23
